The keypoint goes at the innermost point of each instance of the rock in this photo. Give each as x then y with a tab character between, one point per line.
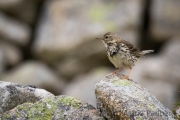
11	54
125	99
16	8
56	108
12	95
35	73
177	111
165	17
13	30
62	37
84	84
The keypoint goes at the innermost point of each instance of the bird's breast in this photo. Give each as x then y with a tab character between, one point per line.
122	58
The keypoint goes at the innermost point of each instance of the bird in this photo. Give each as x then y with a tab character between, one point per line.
121	53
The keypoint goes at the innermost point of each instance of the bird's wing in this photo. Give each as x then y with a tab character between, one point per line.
133	50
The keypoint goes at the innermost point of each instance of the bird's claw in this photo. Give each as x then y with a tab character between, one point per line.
125	77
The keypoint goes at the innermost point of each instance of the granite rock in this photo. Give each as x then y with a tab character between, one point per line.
119	98
12	95
56	108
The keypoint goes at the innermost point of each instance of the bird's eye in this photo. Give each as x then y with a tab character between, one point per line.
106	37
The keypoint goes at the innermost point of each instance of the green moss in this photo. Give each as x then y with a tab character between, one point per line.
70	101
139	118
44	109
5	117
38	111
152	107
177	105
123	82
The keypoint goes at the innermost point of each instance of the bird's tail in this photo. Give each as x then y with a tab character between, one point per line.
147	51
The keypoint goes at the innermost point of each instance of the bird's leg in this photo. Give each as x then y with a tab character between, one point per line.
127	77
115	72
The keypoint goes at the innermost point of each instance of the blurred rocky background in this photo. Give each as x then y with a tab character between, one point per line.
51	44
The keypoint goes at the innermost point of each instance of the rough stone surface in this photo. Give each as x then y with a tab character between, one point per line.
35	73
54	108
165	17
13	30
177	112
84	84
12	95
125	99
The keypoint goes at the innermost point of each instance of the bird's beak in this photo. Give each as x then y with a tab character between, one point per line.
99	38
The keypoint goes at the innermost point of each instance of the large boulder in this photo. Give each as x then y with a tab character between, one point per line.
119	98
54	108
12	95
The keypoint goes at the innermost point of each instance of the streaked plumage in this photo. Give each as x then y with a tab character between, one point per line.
120	52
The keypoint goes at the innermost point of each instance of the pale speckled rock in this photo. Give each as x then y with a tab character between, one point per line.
12	95
54	108
125	99
165	17
35	73
13	30
177	112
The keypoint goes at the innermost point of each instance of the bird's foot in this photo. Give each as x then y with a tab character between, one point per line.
114	73
125	77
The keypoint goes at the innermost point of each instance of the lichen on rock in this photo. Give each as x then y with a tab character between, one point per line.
125	99
56	108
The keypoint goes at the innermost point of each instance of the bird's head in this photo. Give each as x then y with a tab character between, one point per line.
106	37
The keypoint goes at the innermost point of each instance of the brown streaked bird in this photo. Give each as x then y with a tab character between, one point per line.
121	52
